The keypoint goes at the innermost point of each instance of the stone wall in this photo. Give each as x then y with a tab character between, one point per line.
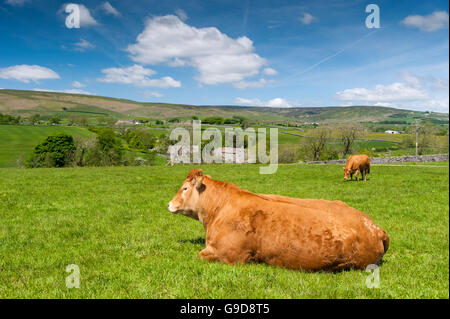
393	159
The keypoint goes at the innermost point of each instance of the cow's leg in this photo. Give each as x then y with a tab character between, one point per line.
356	175
365	175
208	254
228	246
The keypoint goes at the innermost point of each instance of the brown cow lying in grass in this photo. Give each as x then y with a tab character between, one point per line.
357	164
306	234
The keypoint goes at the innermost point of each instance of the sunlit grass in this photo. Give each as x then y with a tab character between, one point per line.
113	223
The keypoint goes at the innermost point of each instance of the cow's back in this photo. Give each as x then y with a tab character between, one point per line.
306	202
355	162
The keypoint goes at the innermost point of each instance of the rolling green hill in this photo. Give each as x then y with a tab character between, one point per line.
20	139
26	103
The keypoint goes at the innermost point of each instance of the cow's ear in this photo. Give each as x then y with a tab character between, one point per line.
198	183
196	177
196	172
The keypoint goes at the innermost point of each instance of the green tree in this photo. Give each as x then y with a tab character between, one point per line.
55	151
34	119
55	120
111	146
8	119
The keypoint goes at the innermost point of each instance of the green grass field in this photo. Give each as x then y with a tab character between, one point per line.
21	139
113	223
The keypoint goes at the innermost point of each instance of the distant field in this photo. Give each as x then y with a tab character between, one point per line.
387	137
113	223
21	139
360	144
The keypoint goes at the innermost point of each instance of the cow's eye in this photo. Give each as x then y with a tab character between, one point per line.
184	189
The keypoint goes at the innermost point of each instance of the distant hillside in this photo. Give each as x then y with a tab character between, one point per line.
26	103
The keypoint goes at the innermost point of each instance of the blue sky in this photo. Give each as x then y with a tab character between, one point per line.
217	52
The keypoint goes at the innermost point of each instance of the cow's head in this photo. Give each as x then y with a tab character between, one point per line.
186	200
347	173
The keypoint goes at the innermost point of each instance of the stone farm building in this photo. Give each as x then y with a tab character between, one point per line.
128	122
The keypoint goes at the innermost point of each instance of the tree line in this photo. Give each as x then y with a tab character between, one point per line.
337	142
107	147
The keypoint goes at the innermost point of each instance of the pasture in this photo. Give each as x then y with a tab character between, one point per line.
114	224
17	140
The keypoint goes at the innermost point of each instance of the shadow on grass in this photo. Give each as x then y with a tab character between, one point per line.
354	180
196	241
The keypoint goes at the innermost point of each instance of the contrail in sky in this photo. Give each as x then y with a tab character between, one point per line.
337	53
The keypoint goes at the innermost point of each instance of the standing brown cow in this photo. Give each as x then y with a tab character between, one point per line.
357	164
281	231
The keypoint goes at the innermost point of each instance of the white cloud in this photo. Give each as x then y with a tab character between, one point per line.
83	45
177	62
429	23
148	94
250	84
383	93
385	104
77	91
109	9
441	104
16	2
429	83
410	79
441	85
307	18
217	57
276	102
137	75
270	71
181	14
156	94
86	19
78	84
70	91
26	73
413	92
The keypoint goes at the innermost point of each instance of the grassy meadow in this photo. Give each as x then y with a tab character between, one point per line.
17	140
114	224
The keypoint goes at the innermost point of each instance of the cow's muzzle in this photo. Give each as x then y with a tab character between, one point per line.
171	208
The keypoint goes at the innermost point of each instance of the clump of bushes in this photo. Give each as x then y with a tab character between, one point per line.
140	139
54	151
9	119
288	153
218	120
105	148
213	120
